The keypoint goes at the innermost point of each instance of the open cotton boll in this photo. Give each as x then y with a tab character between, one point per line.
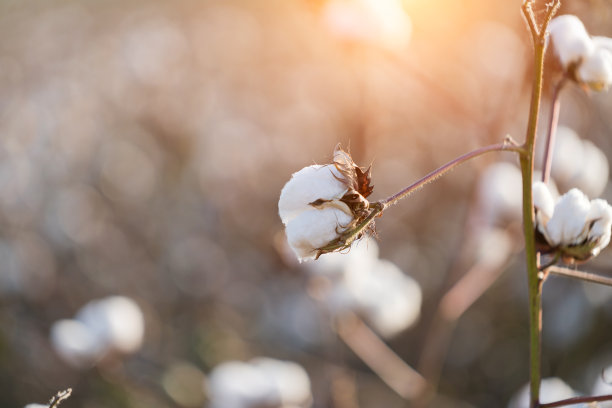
389	299
570	39
543	200
117	321
551	389
315	228
568	221
596	69
76	343
240	385
290	380
600	219
308	185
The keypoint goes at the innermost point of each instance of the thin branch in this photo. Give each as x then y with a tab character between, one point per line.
584	276
59	397
507	145
576	400
398	375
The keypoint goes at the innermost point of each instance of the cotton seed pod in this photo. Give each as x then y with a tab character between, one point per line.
576	228
321	202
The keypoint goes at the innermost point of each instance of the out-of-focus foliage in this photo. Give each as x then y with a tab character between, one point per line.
143	148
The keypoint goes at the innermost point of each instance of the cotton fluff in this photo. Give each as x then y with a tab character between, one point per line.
551	389
588	59
570	39
499	193
261	382
113	324
575	223
389	300
579	163
309	227
377	289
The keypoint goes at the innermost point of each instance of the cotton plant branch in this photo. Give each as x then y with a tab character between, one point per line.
538	35
346	238
58	398
576	400
383	361
580	275
553	121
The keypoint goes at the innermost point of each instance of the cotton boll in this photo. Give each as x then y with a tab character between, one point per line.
390	300
567	156
309	185
117	321
603	387
596	69
76	343
240	385
594	171
543	200
570	39
600	216
568	221
315	228
290	380
499	193
551	389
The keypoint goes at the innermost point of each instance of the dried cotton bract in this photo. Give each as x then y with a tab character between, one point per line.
573	227
586	60
321	202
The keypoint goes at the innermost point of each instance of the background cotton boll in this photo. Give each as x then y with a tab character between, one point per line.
493	247
569	217
117	321
36	406
594	171
289	378
240	385
570	39
76	343
390	300
499	193
596	69
314	229
552	389
602	386
306	186
567	156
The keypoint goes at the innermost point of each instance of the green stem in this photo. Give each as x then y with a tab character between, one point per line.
538	35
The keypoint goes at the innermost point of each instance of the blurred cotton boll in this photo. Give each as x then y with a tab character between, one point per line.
117	321
263	382
578	163
114	324
603	386
36	406
571	41
552	389
499	194
76	343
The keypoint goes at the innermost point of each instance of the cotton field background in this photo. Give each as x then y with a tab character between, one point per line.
143	149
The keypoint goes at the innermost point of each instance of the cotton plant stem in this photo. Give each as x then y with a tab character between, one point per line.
553	121
580	275
398	375
538	35
576	400
507	145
